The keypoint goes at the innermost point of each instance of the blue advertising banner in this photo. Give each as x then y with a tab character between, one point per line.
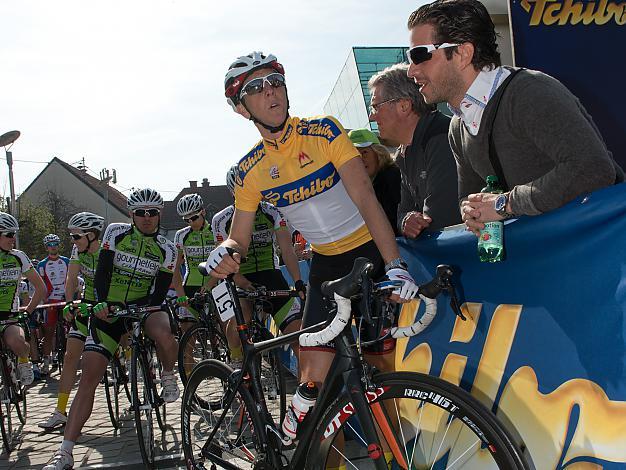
581	44
544	343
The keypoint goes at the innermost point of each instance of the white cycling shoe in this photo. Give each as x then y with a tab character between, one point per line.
170	391
25	373
55	420
62	460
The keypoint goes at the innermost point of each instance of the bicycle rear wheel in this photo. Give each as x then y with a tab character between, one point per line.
6	423
423	422
235	441
198	343
141	381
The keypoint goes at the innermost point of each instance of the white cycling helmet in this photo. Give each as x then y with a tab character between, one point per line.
8	223
51	238
231	177
244	66
189	204
86	221
145	198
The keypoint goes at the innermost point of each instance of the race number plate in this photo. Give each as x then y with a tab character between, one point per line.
223	301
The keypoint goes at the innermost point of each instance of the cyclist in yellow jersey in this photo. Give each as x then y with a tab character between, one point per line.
312	172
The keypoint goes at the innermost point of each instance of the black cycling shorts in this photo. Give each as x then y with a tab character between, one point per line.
331	267
284	310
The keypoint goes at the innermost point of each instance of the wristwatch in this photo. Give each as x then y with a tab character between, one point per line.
396	263
500	206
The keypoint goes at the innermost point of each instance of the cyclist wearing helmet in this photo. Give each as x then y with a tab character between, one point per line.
194	243
53	271
312	172
262	267
85	229
14	264
135	266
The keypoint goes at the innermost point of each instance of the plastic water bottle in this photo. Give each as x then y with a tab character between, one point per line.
490	241
302	401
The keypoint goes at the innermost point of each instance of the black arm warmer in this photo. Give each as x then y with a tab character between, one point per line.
161	286
104	271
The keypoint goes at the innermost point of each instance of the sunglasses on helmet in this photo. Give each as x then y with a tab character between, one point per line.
8	234
146	212
255	86
424	52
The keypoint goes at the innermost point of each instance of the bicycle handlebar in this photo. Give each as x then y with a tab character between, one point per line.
350	285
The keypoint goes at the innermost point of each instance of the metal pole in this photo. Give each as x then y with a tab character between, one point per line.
13	209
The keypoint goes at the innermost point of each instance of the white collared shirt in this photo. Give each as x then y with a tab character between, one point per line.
477	97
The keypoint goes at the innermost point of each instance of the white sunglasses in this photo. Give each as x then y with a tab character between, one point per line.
424	52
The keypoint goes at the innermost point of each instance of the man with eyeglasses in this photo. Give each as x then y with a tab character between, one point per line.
53	271
194	243
135	266
312	172
85	229
429	197
13	265
521	125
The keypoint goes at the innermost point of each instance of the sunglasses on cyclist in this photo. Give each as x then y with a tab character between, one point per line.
255	86
77	236
424	52
8	234
146	212
192	218
52	244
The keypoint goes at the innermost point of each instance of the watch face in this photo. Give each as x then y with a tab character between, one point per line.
500	203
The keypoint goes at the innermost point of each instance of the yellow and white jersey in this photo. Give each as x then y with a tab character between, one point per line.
298	174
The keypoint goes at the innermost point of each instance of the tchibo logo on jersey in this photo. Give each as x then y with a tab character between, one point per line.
315	183
248	162
134	263
319	128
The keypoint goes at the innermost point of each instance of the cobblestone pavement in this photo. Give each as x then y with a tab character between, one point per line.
99	446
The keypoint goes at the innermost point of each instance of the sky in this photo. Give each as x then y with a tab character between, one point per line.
137	85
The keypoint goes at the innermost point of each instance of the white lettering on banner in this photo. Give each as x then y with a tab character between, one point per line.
135	263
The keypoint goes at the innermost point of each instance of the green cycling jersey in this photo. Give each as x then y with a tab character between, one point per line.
262	253
13	264
88	263
137	259
196	247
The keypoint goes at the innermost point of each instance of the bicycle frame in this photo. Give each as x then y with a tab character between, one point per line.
345	370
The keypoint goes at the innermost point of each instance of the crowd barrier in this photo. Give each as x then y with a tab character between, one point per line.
543	345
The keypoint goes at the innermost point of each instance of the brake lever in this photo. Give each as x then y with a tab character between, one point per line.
444	281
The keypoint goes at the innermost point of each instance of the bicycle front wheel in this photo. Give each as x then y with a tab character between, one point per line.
235	440
141	382
111	391
423	422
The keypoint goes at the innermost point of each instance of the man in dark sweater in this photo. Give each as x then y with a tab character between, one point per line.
549	149
429	198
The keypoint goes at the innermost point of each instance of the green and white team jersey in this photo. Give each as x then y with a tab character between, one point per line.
88	263
262	254
13	264
196	246
137	260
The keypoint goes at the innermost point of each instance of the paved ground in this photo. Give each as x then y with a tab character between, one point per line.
100	446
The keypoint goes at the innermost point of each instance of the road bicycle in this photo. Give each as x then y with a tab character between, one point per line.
12	392
115	380
362	418
145	374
